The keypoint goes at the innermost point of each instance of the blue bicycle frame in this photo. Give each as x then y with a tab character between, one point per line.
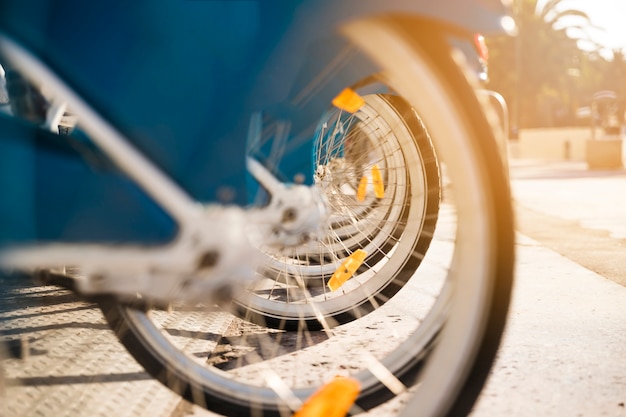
181	81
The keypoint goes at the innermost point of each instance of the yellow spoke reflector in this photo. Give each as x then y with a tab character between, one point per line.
360	192
377	179
346	269
348	100
332	400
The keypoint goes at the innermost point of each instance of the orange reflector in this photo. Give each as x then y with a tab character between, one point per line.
481	46
332	400
360	192
377	179
348	100
346	269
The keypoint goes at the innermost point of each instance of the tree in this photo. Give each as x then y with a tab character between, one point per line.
615	74
537	71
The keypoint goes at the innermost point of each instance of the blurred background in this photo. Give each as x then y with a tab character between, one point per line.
567	55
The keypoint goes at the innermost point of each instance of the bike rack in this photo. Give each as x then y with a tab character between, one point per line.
502	139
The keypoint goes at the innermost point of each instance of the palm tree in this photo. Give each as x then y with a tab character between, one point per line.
615	74
535	70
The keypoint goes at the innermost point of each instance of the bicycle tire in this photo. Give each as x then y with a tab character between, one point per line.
295	288
459	336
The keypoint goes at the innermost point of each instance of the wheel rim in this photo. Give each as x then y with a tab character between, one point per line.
468	237
295	280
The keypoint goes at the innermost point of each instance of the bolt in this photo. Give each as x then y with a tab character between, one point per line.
289	215
208	259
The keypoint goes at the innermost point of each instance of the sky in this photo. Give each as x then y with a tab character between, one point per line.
608	14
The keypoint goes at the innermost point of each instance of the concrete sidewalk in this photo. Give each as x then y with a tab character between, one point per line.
565	343
577	212
594	198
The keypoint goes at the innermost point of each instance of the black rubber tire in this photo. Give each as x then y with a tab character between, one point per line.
460	337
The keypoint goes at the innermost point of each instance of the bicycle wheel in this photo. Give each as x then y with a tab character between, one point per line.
440	330
380	176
